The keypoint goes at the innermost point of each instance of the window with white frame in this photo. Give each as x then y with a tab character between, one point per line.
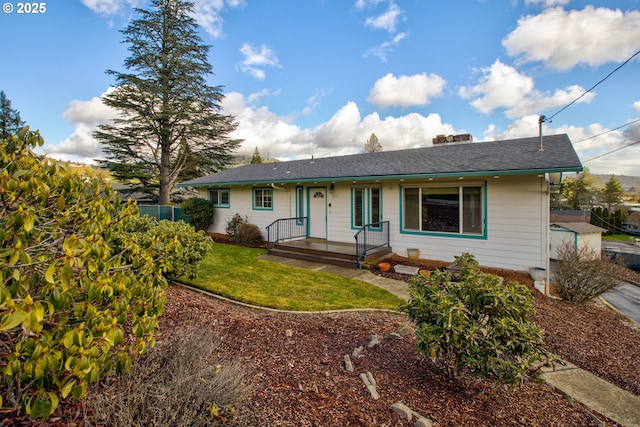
219	197
262	198
451	209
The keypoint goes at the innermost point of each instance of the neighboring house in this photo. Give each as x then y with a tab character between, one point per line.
490	199
579	235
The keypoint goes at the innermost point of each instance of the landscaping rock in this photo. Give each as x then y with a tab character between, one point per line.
374	340
423	422
357	351
402	410
347	363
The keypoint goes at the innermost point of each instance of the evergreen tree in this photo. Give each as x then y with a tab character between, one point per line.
170	126
256	157
10	121
612	192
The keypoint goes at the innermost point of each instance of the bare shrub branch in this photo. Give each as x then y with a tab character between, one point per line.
181	382
582	274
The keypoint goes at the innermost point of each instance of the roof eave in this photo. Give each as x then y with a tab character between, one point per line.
387	177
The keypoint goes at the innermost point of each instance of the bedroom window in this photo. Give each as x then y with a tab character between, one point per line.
219	197
453	210
262	198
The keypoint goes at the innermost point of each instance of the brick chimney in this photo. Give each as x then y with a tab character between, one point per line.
463	138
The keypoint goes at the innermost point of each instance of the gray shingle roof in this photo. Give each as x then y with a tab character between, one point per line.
579	227
515	156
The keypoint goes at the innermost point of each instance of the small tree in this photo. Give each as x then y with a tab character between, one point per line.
199	212
477	324
256	159
612	193
581	274
372	145
233	224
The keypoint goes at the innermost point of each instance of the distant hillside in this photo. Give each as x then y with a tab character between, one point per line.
629	183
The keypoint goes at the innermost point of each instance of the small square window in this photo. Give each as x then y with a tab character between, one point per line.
262	198
219	197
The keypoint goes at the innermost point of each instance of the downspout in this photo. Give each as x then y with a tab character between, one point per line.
546	194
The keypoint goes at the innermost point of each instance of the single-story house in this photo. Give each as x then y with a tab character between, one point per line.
582	236
490	199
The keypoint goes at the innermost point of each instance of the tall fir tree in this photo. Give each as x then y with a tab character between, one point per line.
10	121
170	126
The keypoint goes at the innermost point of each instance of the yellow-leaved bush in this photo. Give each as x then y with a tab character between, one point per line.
79	295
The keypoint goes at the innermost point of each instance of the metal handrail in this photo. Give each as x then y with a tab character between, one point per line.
286	229
369	237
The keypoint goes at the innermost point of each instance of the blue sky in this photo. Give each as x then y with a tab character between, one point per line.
318	77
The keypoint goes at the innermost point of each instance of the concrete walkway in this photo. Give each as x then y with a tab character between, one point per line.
605	398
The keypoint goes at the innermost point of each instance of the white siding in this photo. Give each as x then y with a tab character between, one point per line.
591	242
517	220
241	201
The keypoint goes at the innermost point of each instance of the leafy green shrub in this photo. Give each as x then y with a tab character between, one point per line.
249	235
231	228
180	246
182	382
72	308
582	275
199	212
477	324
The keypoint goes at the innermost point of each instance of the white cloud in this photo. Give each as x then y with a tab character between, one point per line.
85	116
547	3
383	49
537	102
256	58
208	14
387	21
406	91
564	39
344	133
502	86
110	7
589	142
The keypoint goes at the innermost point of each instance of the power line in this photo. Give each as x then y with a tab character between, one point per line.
612	151
607	131
548	119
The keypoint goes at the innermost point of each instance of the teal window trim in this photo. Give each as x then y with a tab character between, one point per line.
365	211
266	199
218	200
461	235
299	204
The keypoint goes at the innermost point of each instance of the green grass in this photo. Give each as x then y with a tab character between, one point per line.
236	273
619	237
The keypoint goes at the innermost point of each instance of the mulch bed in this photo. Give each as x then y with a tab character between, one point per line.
296	365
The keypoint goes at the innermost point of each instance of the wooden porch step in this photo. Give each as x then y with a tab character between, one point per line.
325	258
343	255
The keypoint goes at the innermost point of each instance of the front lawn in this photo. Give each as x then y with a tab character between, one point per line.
235	272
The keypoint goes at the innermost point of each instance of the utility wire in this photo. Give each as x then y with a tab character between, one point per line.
610	130
612	151
548	119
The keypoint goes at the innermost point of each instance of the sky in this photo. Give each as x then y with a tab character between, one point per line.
318	77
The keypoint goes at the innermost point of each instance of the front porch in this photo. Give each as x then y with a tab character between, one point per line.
327	252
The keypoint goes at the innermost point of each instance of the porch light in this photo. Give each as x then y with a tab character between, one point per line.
332	188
